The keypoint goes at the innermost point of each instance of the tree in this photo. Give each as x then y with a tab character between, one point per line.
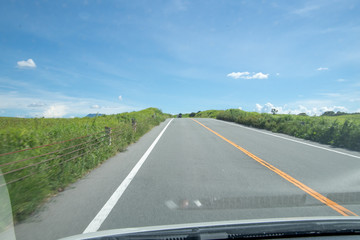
338	113
274	111
328	113
192	114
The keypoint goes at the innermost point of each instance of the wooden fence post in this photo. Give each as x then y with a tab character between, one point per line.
133	123
108	132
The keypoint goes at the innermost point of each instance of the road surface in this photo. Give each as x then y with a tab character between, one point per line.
204	170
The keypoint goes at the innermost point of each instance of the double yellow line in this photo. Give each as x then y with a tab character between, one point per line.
340	209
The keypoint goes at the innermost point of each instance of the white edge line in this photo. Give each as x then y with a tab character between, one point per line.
289	139
106	209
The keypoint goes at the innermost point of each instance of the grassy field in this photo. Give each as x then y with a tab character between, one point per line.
34	175
343	118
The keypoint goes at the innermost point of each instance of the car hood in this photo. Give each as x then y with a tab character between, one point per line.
279	227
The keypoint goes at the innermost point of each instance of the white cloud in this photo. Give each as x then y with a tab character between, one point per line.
26	64
29	105
341	80
309	110
258	107
334	108
120	98
95	106
260	75
247	75
240	108
267	108
55	111
322	69
237	75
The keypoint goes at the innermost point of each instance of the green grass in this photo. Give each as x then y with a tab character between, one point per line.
201	114
343	118
55	174
208	114
68	160
339	131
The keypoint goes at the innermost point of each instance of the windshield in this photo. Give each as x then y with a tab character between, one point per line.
121	114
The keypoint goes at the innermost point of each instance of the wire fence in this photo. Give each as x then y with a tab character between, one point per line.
36	163
53	155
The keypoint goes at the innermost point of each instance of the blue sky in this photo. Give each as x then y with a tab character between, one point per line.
71	58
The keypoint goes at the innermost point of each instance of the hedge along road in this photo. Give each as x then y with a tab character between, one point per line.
205	170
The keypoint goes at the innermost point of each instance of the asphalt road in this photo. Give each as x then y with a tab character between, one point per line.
196	174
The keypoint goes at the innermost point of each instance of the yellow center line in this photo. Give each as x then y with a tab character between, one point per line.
340	209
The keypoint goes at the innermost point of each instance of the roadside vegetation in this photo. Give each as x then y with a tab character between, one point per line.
336	129
60	151
81	144
202	114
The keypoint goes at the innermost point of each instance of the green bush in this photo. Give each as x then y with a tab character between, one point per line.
207	114
339	131
68	160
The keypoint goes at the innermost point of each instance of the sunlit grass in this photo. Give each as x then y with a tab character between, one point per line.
339	131
67	161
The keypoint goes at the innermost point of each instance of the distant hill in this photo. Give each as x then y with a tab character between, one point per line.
94	115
